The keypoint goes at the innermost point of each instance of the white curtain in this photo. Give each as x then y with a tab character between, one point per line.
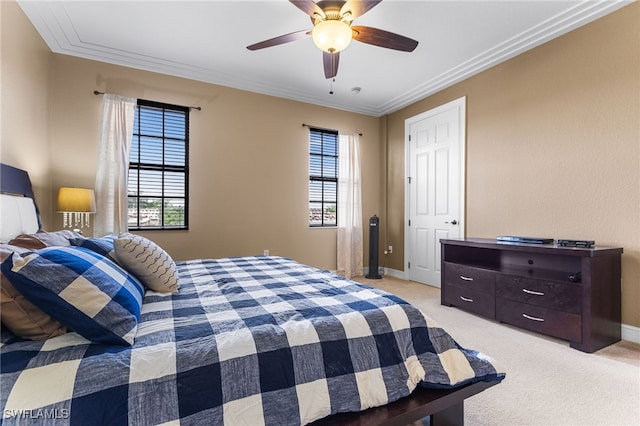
350	245
116	132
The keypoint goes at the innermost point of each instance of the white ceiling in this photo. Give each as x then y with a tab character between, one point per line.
206	41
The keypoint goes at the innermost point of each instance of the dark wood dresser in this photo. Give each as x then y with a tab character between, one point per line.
567	292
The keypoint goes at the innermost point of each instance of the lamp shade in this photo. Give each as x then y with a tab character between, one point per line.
332	36
77	200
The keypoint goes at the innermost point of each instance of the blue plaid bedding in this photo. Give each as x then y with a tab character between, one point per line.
246	341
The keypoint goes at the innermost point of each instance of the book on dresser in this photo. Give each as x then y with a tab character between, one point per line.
572	293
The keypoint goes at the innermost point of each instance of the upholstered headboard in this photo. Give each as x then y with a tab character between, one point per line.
18	209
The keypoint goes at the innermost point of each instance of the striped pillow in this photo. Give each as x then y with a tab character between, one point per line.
80	288
148	262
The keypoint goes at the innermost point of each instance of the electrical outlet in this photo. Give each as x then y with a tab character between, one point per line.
266	252
390	249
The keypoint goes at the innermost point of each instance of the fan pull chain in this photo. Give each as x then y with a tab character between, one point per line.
331	89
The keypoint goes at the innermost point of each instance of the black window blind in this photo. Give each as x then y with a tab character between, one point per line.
323	177
158	186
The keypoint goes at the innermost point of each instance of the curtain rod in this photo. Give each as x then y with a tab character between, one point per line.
322	128
96	92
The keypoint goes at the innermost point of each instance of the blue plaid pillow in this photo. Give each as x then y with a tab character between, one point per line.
103	245
80	288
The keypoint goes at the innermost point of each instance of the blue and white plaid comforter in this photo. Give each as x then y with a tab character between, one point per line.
246	341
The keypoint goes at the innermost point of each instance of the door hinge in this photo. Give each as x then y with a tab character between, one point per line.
409	179
409	138
408	265
409	222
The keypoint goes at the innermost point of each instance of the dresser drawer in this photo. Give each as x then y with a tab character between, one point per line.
555	295
542	320
477	302
470	277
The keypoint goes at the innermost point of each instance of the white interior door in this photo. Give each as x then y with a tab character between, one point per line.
435	187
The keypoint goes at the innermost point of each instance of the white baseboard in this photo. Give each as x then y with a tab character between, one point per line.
630	333
394	273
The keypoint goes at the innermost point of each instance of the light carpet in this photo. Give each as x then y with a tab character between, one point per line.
547	382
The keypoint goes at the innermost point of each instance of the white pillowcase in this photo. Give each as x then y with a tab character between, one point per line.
148	262
18	216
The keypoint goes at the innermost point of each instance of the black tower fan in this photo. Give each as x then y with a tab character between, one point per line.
373	248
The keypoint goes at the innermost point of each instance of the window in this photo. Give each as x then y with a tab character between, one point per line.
323	177
158	191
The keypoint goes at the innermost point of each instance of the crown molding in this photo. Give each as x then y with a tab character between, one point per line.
57	30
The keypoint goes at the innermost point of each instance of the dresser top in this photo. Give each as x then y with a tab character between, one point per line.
489	243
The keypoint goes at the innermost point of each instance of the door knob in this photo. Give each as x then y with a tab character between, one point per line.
453	222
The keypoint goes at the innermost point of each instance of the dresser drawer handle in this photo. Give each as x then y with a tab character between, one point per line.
462	277
535	293
466	299
529	317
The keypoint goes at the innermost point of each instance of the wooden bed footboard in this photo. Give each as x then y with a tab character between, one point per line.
444	406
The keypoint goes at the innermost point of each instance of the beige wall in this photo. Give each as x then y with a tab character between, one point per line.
248	160
553	146
25	105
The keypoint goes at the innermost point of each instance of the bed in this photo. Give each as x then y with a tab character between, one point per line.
243	341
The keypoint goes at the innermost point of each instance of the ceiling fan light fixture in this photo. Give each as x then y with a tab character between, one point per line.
332	35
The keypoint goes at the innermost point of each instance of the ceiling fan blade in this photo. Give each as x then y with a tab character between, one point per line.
330	61
309	7
357	7
383	38
280	40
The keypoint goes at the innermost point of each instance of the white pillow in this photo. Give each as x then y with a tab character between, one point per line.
148	262
18	216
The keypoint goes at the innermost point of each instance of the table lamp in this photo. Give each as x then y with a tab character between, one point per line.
76	206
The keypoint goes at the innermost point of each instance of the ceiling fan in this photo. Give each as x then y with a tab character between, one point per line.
332	30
